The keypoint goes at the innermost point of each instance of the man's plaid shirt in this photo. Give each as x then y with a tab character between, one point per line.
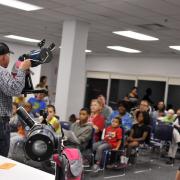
9	87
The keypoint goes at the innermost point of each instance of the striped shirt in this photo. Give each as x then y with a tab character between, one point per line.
9	86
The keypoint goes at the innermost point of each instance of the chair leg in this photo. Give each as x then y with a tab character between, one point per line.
104	163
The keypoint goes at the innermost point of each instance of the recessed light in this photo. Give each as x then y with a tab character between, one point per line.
20	5
124	49
87	50
175	47
20	38
135	35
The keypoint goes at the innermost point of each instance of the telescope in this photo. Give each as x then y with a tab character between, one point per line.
41	56
42	141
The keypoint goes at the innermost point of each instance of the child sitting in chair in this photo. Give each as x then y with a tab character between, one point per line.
112	140
52	119
139	134
82	129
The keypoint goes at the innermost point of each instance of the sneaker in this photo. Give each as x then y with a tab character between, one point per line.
96	168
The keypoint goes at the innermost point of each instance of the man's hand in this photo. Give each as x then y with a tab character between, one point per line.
25	64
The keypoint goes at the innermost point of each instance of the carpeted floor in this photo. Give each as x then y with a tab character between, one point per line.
149	166
146	168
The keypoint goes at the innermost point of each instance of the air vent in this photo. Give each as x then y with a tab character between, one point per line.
153	27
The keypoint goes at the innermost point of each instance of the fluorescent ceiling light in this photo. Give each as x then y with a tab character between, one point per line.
87	50
20	5
135	35
124	49
20	38
175	47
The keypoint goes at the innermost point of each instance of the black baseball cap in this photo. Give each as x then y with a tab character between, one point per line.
4	49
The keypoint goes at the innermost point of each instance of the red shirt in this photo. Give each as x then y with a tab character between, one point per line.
98	121
113	135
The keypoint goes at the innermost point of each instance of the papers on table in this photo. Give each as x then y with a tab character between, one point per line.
7	166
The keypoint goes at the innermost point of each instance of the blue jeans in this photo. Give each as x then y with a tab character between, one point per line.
4	136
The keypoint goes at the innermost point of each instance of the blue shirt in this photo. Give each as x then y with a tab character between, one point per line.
37	105
126	120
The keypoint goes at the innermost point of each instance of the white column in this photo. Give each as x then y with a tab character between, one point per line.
70	88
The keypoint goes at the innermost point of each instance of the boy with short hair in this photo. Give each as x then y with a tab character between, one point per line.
112	140
82	129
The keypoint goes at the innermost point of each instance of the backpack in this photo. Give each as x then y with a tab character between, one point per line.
69	163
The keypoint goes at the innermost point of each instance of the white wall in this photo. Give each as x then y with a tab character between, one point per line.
50	70
18	50
135	66
152	66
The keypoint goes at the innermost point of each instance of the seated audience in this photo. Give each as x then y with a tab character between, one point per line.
133	96
72	118
52	119
38	104
161	110
175	139
129	105
169	118
82	129
14	120
42	83
147	96
124	115
97	120
160	115
139	134
144	107
28	107
106	110
17	136
20	100
112	140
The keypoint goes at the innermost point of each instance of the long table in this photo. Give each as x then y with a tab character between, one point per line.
21	171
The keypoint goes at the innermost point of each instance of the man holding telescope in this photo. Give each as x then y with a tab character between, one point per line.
9	86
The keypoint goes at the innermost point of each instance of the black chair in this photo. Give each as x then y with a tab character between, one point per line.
162	137
163	132
65	125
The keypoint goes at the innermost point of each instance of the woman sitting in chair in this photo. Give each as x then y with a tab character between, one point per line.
96	119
